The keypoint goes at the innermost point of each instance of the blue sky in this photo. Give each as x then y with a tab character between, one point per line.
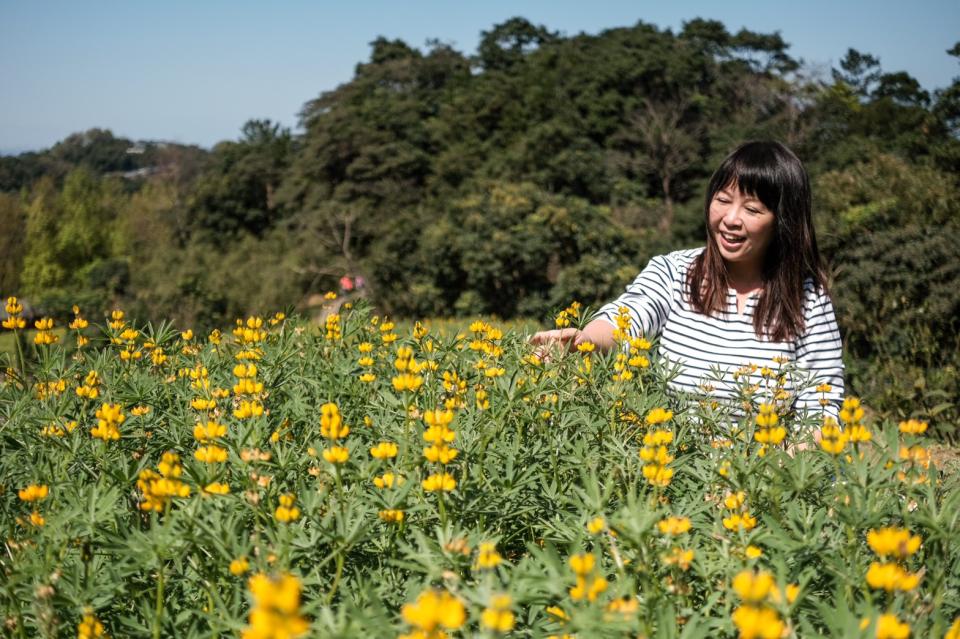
194	71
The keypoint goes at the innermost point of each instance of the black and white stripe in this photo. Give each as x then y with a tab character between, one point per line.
709	349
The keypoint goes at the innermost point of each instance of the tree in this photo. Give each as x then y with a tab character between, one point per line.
509	42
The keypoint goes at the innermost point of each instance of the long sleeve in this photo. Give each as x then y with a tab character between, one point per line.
648	299
819	359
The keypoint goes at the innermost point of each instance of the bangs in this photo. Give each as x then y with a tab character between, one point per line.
755	171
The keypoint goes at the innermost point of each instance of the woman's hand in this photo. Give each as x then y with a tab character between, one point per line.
598	332
561	340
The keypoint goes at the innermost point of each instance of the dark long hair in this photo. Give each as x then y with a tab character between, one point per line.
770	172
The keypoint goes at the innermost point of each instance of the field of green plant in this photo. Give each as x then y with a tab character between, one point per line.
366	481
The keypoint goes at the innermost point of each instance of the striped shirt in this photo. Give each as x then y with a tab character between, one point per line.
713	353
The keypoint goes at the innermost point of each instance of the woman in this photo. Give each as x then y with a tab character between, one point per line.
754	297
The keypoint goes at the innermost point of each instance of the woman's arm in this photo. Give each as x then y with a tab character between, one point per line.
820	357
599	332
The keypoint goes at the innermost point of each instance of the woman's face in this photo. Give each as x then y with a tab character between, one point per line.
743	229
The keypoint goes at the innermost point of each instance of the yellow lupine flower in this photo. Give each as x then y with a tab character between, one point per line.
487	556
739	521
434	609
674	525
209	430
216	488
387	480
384	450
391	516
852	411
90	627
583	564
679	557
34	492
896	542
913	427
753	586
275	611
888	627
336	454
286	511
954	631
596	525
588	589
211	454
889	577
497	616
439	482
757	622
733	501
442	454
239	566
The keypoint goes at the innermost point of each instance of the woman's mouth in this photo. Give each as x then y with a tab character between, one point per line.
731	241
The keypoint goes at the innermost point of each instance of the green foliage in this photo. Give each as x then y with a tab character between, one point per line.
545	452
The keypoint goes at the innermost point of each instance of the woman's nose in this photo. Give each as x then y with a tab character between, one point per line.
732	216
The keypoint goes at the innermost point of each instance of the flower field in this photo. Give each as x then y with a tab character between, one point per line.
356	480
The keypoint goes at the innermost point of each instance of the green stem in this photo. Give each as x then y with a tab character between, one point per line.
336	577
158	610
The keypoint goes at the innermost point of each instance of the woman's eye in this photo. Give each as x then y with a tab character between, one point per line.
754	211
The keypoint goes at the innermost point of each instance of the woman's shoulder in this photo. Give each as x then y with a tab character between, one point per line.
815	296
680	261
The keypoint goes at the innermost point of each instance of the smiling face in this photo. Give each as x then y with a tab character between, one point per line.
743	229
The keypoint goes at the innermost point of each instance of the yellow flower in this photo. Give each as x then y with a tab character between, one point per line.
752	552
913	427
286	511
659	416
733	501
407	382
624	605
889	627
442	454
738	521
216	488
497	616
891	577
679	557
239	566
674	525
33	492
596	525
434	609
387	480
583	564
275	610
852	411
331	422
753	586
248	409
833	440
588	590
487	556
89	626
336	454
211	454
187	335
366	378
209	430
439	482
391	516
384	450
896	542
37	519
757	622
